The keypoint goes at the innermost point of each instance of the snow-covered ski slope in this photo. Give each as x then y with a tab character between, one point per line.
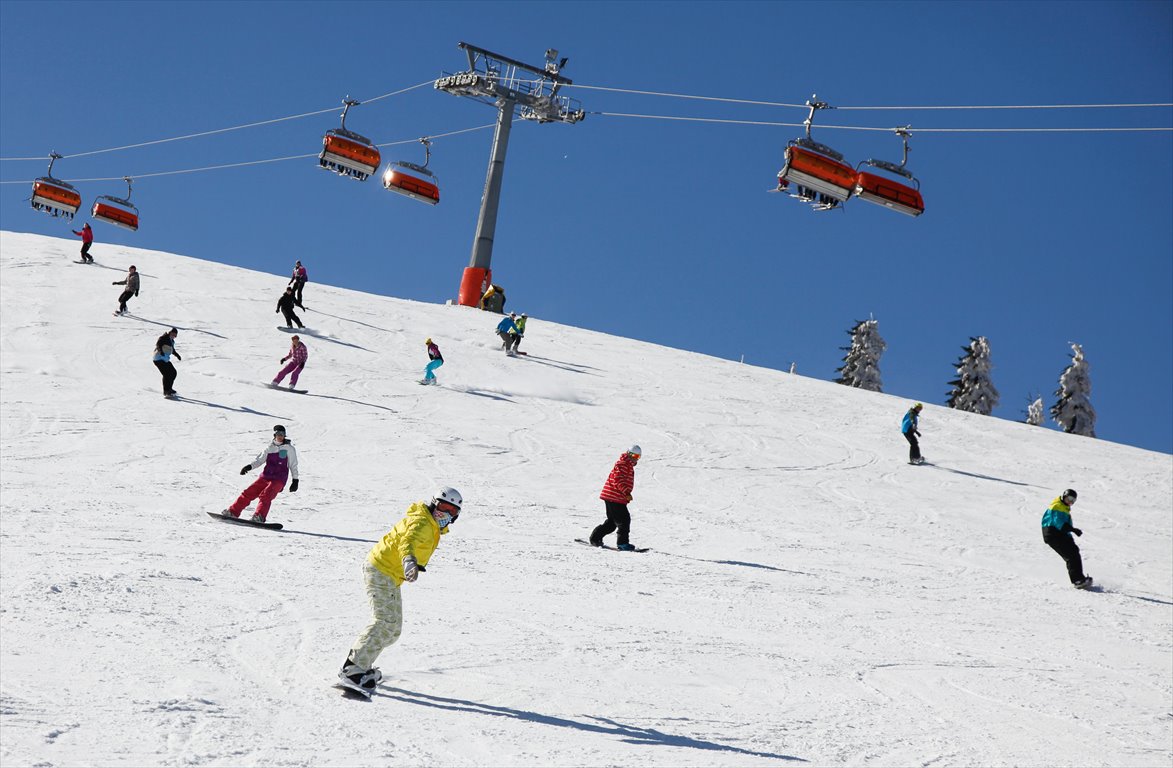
810	597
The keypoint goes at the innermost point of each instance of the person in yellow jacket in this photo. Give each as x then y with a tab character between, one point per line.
399	556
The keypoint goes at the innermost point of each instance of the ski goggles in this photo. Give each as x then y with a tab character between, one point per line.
449	508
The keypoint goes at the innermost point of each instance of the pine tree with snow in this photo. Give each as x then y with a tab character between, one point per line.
861	364
973	390
1073	411
1034	412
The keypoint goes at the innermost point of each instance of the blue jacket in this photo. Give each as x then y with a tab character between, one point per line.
1058	516
165	348
910	421
506	326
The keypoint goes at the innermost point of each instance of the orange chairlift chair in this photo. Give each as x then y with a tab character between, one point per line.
348	153
415	181
887	192
54	196
818	172
116	210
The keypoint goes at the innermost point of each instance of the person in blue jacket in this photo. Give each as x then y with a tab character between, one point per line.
1057	530
507	330
164	349
911	433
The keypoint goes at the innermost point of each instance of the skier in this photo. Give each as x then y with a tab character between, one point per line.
285	307
400	556
616	495
297	356
436	360
493	299
507	330
520	323
298	283
280	460
131	283
164	349
87	239
1057	530
911	433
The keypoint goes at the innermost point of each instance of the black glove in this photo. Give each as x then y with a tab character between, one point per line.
244	470
177	357
917	432
421	568
1077	532
293	486
115	283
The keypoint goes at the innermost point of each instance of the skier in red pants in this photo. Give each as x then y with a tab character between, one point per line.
280	461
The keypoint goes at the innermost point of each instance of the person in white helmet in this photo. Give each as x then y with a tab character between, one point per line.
399	557
616	495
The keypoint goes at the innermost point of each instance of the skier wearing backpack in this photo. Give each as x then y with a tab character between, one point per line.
280	461
617	495
435	361
909	427
164	349
87	239
1057	530
401	555
298	354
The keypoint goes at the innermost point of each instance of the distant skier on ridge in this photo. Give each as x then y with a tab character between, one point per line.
87	239
909	427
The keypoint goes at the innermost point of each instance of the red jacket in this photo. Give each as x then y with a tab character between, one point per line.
620	482
86	234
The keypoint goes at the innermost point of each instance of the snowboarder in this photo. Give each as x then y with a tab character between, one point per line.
280	461
400	556
507	330
493	300
297	282
164	349
285	307
87	239
297	356
617	495
520	323
131	283
1057	530
436	360
911	433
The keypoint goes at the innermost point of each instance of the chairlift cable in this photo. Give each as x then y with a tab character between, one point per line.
884	129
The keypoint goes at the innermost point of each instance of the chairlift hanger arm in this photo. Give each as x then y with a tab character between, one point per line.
473	50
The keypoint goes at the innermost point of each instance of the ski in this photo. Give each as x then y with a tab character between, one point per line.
613	549
243	521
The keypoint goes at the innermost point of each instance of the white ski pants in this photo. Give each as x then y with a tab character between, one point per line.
387	624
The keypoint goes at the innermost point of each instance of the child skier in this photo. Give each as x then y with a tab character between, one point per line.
280	461
400	556
131	283
297	356
87	239
911	433
436	360
616	495
164	349
1057	530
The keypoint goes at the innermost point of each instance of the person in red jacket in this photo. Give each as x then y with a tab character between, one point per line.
616	495
87	239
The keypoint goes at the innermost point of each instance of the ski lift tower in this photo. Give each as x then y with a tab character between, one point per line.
509	85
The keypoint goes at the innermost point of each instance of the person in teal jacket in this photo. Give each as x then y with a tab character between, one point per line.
908	428
1057	530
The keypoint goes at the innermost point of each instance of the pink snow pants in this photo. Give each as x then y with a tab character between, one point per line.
291	367
265	488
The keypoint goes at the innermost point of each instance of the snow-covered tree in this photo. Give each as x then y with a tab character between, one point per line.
973	390
1034	412
1073	411
861	364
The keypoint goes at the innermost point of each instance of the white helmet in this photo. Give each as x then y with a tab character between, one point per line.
450	495
635	451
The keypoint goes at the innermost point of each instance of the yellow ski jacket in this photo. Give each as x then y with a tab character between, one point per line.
417	534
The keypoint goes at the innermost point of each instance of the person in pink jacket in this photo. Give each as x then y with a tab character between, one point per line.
297	356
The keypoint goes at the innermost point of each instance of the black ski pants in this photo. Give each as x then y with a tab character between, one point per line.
913	446
617	518
298	286
123	298
1068	550
291	318
169	374
85	252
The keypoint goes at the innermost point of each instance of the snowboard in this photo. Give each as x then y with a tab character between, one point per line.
286	389
352	692
613	549
289	329
1089	584
244	521
426	382
75	261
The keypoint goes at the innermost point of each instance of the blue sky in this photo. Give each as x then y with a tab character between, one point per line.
657	229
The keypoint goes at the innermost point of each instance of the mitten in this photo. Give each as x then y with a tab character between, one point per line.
284	359
293	486
1077	532
410	568
244	470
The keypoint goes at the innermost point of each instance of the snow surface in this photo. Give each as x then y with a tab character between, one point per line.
810	597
